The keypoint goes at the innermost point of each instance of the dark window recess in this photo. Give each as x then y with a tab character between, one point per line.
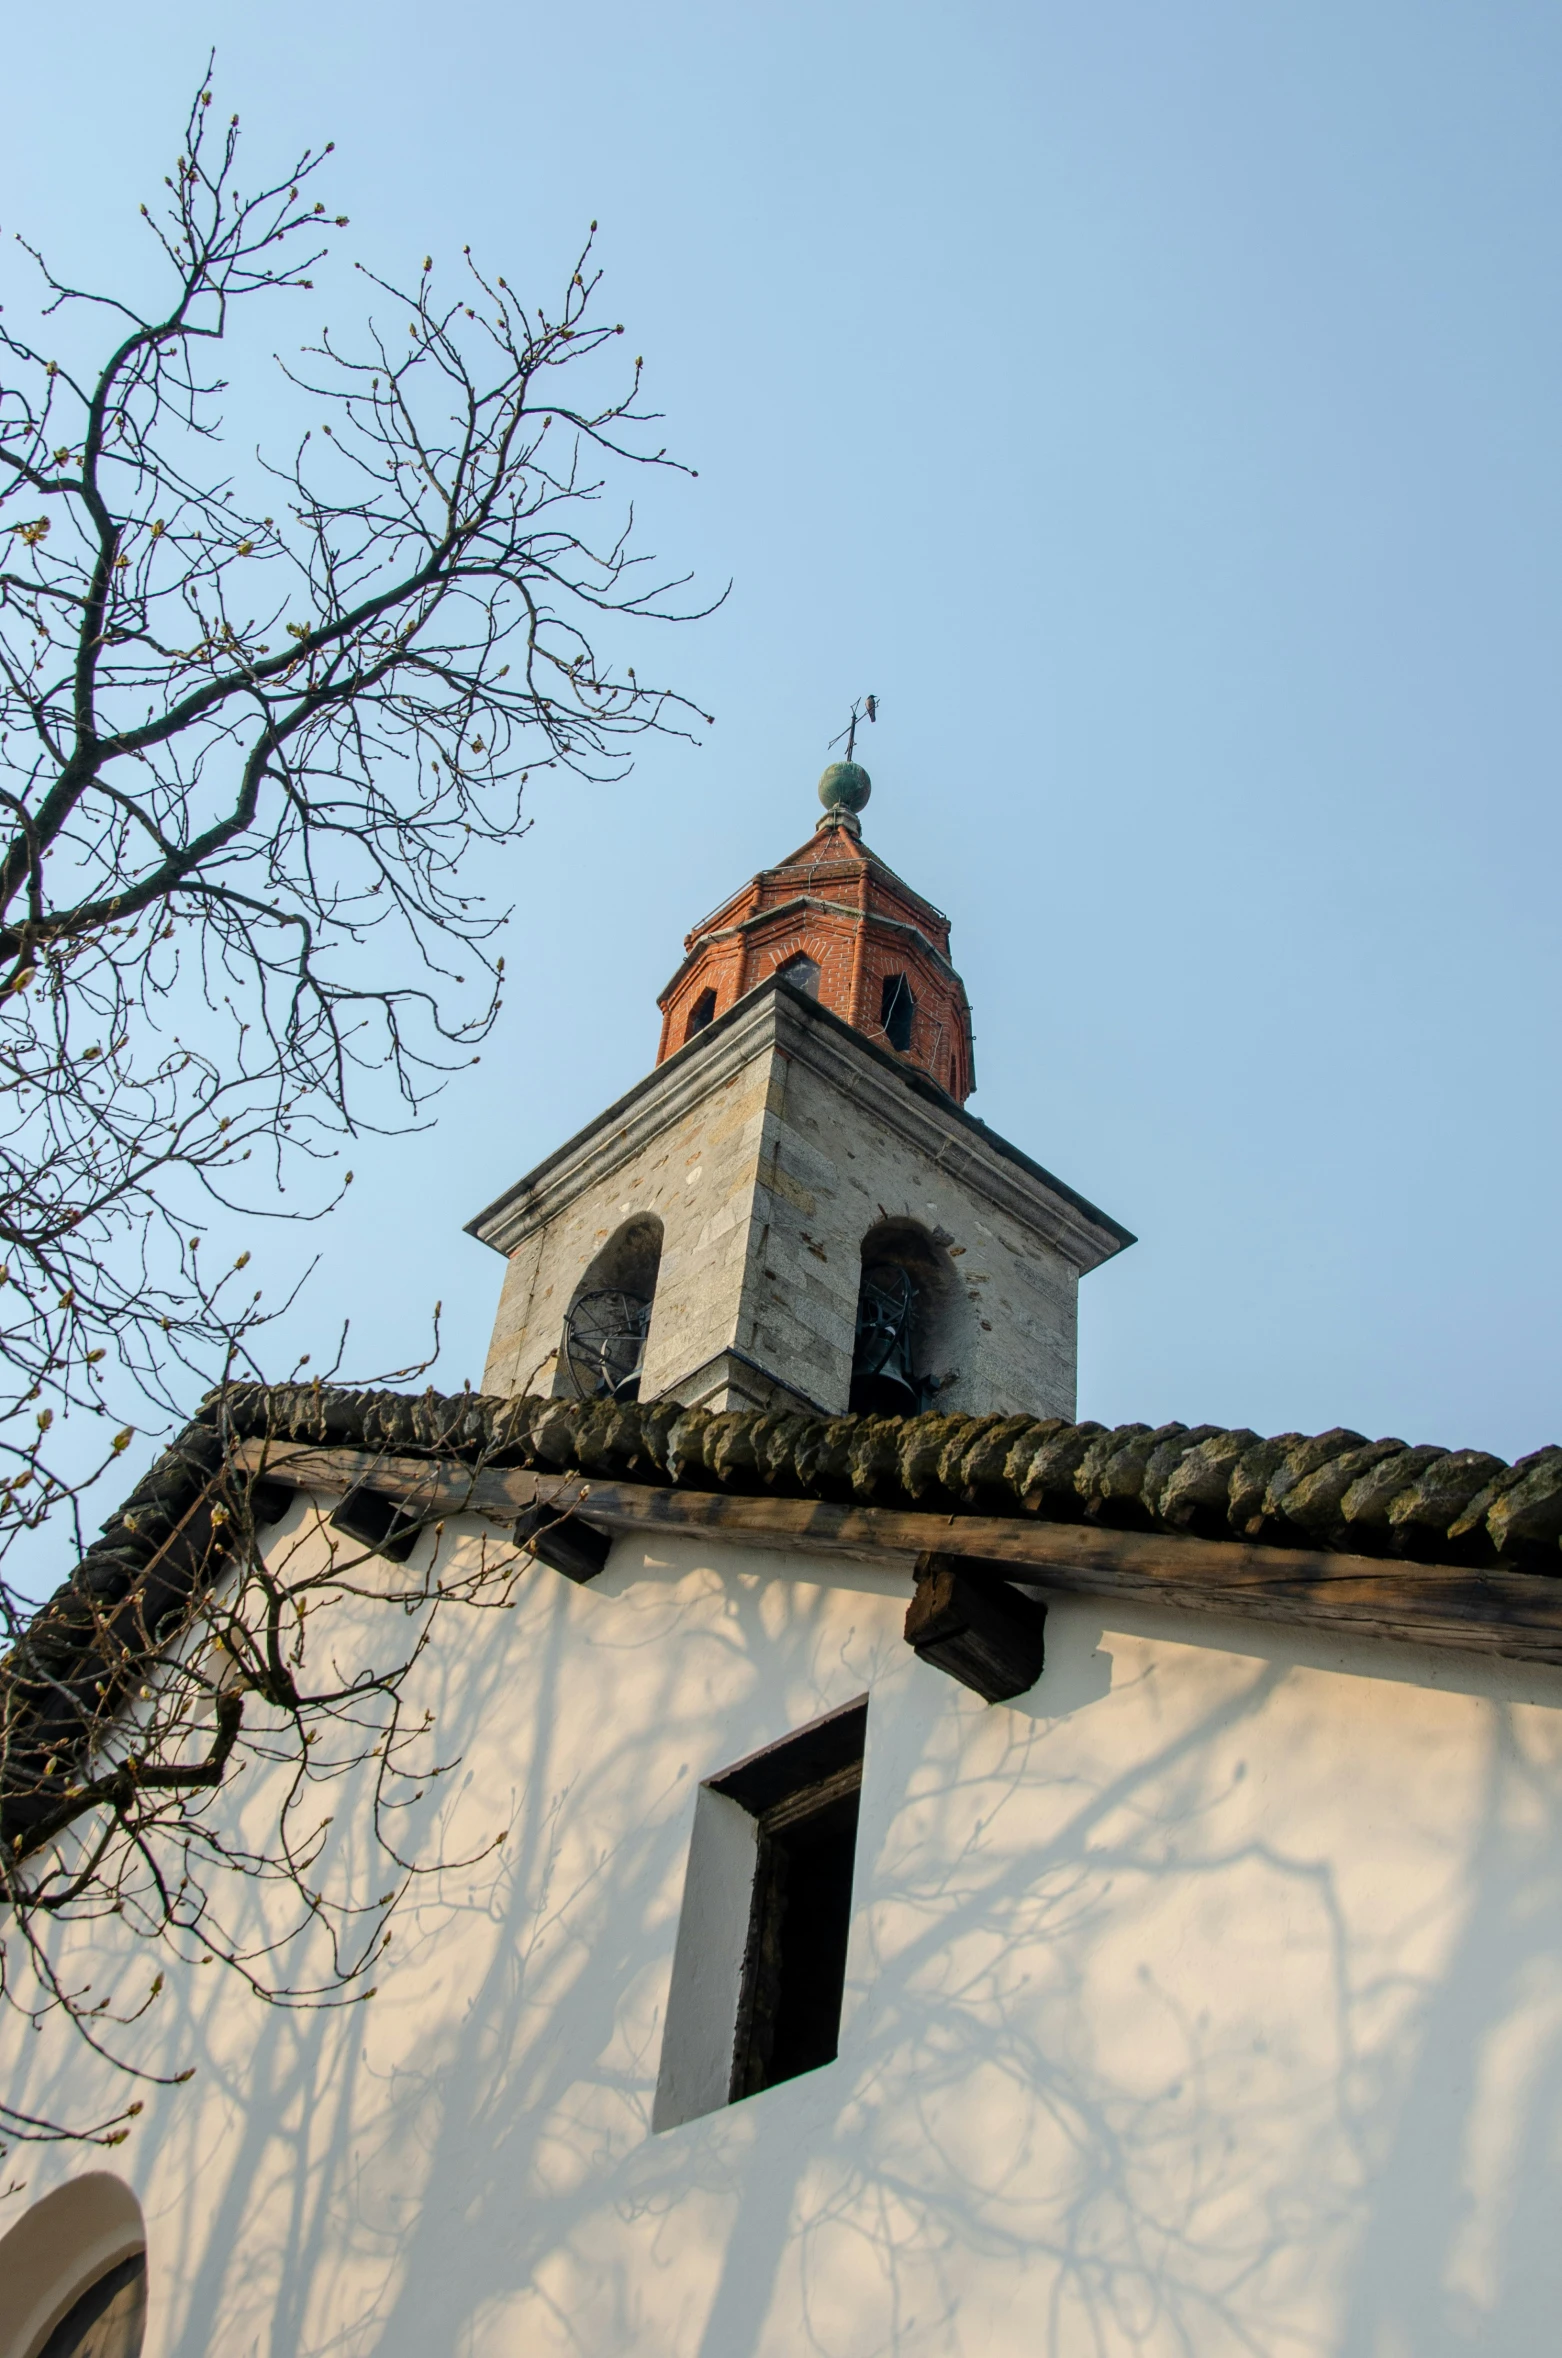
896	1009
883	1383
700	1014
954	1078
604	1343
609	1316
802	972
804	1794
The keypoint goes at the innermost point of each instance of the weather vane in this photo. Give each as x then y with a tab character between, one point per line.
863	708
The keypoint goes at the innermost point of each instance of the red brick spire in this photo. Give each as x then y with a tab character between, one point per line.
841	925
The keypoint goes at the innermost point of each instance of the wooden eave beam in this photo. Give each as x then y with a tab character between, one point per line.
1512	1613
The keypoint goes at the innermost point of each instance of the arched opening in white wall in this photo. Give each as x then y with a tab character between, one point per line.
802	972
73	2274
609	1316
910	1321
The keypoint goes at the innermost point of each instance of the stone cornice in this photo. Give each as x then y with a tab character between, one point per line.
776	1019
920	1112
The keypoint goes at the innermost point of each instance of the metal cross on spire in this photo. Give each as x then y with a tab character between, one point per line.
863	708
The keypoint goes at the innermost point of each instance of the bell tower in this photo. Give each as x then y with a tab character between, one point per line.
793	1209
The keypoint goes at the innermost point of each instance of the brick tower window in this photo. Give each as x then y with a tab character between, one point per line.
801	972
700	1014
896	1010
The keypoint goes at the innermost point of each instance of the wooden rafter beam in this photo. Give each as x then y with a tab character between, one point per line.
1513	1613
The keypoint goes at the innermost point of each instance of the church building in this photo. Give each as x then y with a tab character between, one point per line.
910	1873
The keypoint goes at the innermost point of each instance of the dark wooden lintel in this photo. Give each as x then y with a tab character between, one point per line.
1513	1613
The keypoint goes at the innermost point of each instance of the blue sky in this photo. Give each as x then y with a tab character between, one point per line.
1157	407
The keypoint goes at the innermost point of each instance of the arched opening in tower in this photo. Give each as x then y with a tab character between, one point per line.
908	1319
609	1316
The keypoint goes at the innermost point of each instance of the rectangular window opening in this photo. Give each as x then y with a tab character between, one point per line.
803	1795
759	1969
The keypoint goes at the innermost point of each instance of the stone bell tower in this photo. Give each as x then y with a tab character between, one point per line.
793	1208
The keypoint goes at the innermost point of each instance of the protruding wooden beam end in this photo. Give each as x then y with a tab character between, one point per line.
563	1542
968	1621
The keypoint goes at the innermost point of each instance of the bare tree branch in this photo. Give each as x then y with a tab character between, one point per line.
251	740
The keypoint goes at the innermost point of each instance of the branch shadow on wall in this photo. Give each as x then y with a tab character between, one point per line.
1018	2099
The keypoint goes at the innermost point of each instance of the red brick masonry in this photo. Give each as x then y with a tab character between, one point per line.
837	904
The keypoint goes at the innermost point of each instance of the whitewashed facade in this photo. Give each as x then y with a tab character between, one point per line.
1206	1998
1209	1997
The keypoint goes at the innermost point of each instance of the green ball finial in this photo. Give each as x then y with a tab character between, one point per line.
845	786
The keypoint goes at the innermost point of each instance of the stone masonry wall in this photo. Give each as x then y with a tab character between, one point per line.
697	1175
834	1168
768	1152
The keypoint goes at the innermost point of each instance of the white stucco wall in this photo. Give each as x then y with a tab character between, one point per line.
1207	2000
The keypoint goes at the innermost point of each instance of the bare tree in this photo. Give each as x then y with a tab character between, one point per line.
253	727
253	752
192	1643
